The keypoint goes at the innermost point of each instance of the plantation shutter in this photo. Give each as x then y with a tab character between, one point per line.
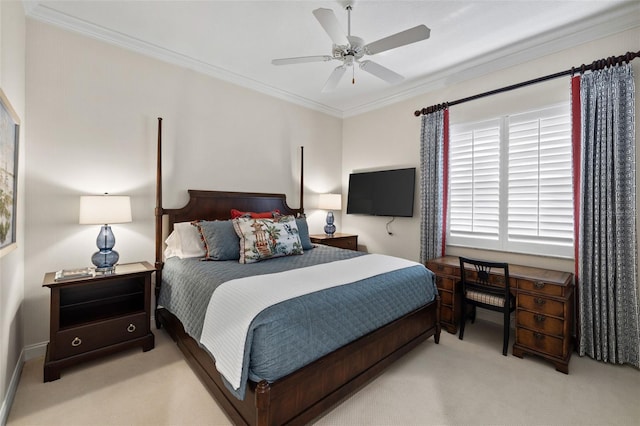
474	176
540	194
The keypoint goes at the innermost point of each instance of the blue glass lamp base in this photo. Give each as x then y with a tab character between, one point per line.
105	261
105	258
330	228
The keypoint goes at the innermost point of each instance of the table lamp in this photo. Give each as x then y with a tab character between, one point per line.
330	202
104	210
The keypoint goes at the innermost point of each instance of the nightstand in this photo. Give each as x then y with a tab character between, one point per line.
96	316
345	241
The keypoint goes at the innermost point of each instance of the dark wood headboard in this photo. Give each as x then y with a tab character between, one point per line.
217	205
212	205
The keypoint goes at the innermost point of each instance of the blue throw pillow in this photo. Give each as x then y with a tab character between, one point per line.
220	239
303	233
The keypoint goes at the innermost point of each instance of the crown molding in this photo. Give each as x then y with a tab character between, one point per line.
611	22
614	21
40	11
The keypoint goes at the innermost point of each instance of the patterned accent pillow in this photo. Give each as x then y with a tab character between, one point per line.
219	239
266	238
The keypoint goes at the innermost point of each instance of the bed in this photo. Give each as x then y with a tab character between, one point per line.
311	389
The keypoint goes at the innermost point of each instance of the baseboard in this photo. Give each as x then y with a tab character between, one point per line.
34	351
11	390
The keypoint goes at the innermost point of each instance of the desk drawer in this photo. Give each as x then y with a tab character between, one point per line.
77	340
540	322
541	342
541	287
541	304
446	297
445	283
446	314
443	269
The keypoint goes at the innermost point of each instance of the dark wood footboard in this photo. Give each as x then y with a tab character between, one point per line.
310	391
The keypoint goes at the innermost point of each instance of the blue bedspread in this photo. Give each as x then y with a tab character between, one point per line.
293	333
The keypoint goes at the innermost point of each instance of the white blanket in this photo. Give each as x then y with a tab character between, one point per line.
235	304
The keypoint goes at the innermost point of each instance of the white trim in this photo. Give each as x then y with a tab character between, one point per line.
11	390
35	350
614	21
45	14
596	27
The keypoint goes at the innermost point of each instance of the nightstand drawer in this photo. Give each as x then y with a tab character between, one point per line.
339	240
86	338
345	243
541	305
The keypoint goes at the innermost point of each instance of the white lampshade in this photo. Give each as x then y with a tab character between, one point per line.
330	201
104	209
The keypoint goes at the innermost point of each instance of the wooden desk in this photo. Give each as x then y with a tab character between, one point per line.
544	308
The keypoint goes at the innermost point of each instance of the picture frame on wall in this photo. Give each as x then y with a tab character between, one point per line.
9	138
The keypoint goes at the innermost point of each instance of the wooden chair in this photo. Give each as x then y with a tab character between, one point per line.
486	287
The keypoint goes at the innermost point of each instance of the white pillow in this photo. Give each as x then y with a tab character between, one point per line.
185	241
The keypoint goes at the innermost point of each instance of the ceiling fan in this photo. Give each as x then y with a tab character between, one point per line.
350	49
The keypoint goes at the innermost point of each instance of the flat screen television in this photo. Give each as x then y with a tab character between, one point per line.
382	193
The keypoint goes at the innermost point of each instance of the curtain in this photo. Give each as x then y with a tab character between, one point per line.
433	185
608	292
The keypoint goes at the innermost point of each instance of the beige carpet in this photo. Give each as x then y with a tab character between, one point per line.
455	382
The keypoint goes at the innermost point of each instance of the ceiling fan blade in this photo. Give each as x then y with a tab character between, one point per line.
334	78
329	22
381	72
301	60
412	35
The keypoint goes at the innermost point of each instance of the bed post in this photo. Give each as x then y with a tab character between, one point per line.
158	213
301	181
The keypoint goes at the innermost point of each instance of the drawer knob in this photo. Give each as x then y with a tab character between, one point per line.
539	318
538	284
76	342
539	301
131	328
538	336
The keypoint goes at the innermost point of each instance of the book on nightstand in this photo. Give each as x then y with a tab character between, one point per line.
70	274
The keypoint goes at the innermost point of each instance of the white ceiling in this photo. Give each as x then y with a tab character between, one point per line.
236	40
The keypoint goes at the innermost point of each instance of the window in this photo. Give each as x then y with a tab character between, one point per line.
510	185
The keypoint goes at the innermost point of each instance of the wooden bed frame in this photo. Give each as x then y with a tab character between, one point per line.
308	392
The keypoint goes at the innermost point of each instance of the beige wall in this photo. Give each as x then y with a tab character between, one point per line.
93	111
390	137
12	82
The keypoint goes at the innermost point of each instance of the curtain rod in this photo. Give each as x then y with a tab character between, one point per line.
594	66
